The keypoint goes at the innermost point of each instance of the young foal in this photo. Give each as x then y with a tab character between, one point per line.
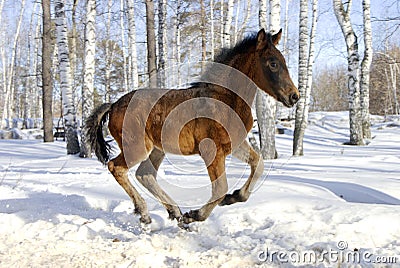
211	118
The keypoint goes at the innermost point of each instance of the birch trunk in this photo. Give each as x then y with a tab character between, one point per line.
3	69
108	60
227	25
306	62
365	70
88	71
69	111
8	103
266	105
177	51
151	44
47	81
162	44
245	20
353	60
133	77
221	22
235	28
286	31
212	30
37	104
203	35
123	45
29	73
72	54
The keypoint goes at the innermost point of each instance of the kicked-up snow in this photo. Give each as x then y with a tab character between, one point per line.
337	206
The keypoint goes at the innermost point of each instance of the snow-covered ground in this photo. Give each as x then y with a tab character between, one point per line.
337	206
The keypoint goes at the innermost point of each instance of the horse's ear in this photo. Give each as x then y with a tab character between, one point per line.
277	37
262	40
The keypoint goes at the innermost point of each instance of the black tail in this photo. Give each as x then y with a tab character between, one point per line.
94	132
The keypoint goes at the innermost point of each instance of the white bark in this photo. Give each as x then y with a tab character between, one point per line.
212	33
227	25
28	102
365	69
9	87
221	22
162	41
235	28
88	71
69	111
133	78
245	20
266	105
353	60
37	103
262	15
274	16
306	62
109	55
72	54
177	51
286	32
123	45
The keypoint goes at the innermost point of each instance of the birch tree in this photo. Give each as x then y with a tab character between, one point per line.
266	105
123	44
203	35
72	54
365	70
162	44
227	24
88	71
151	44
69	112
133	79
9	85
29	72
353	61
47	82
212	29
177	49
221	22
306	62
109	55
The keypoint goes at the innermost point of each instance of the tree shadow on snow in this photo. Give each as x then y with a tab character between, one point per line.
351	192
48	206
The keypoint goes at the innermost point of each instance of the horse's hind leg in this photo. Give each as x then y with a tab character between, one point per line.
119	169
146	174
216	171
251	157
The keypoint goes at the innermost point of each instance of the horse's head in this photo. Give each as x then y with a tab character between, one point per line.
271	73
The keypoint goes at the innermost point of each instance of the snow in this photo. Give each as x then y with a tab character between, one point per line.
334	203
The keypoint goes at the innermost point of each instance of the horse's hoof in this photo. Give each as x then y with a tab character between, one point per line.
172	215
230	199
183	225
145	219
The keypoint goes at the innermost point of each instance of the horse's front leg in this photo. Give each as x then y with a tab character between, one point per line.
216	171
247	154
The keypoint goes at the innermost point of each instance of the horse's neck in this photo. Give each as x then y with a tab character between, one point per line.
243	75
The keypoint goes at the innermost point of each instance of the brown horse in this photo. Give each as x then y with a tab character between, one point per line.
211	118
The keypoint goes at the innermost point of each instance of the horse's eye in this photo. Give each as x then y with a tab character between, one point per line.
273	65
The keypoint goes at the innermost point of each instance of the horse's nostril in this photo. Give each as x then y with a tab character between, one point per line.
294	97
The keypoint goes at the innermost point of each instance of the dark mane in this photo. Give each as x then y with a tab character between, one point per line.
226	54
225	57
